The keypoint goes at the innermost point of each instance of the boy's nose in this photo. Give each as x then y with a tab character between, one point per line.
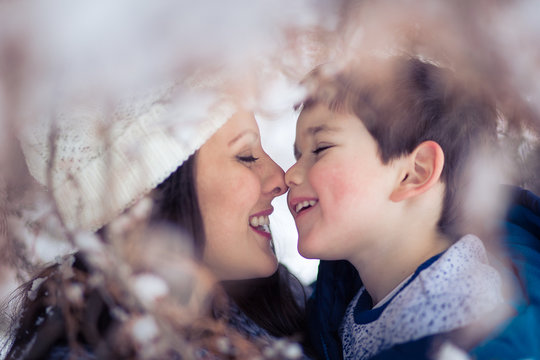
293	176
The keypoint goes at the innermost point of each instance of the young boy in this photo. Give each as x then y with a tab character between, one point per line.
383	162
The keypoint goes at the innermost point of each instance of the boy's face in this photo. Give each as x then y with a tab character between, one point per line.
339	188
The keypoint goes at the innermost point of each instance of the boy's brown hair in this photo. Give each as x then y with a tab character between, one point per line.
404	101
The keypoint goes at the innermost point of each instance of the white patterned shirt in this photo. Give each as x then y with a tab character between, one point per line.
447	292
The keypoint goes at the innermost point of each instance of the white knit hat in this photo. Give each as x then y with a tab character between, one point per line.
105	160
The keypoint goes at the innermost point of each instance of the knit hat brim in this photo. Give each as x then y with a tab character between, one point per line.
97	174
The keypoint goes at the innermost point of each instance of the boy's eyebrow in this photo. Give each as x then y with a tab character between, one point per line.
313	130
297	153
316	129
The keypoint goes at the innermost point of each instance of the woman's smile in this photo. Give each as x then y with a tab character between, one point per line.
260	223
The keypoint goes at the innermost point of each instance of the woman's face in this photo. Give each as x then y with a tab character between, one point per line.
236	182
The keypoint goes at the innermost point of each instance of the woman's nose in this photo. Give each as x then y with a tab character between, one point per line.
275	180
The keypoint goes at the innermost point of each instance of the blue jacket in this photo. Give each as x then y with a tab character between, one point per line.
338	282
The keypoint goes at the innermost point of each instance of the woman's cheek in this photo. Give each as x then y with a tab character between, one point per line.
244	188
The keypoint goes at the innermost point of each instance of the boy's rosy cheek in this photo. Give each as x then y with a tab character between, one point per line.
340	182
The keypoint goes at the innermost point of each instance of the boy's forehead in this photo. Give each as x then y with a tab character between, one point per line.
316	116
315	120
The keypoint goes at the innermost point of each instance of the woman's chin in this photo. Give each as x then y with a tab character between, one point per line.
268	268
271	268
265	268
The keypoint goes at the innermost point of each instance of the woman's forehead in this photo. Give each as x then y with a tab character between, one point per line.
239	127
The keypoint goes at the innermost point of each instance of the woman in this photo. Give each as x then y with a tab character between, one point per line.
220	196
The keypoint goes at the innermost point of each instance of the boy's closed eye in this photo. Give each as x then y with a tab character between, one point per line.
320	148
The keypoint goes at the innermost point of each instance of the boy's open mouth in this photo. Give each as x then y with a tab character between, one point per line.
304	205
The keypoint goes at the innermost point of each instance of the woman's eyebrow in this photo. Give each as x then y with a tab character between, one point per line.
242	134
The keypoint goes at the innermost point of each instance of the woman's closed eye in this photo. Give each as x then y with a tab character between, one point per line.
247	158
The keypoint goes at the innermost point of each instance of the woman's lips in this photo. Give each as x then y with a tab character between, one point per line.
264	232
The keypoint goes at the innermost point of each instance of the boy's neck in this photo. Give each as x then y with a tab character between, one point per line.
385	269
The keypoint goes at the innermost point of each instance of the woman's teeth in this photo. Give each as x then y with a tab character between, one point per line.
304	204
259	221
265	228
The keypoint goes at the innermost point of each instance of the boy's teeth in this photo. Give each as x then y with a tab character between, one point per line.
304	204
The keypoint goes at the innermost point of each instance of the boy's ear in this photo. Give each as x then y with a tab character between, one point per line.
421	171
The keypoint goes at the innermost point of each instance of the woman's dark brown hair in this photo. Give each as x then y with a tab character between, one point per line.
42	327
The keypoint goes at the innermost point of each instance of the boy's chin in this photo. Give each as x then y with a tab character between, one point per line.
309	250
